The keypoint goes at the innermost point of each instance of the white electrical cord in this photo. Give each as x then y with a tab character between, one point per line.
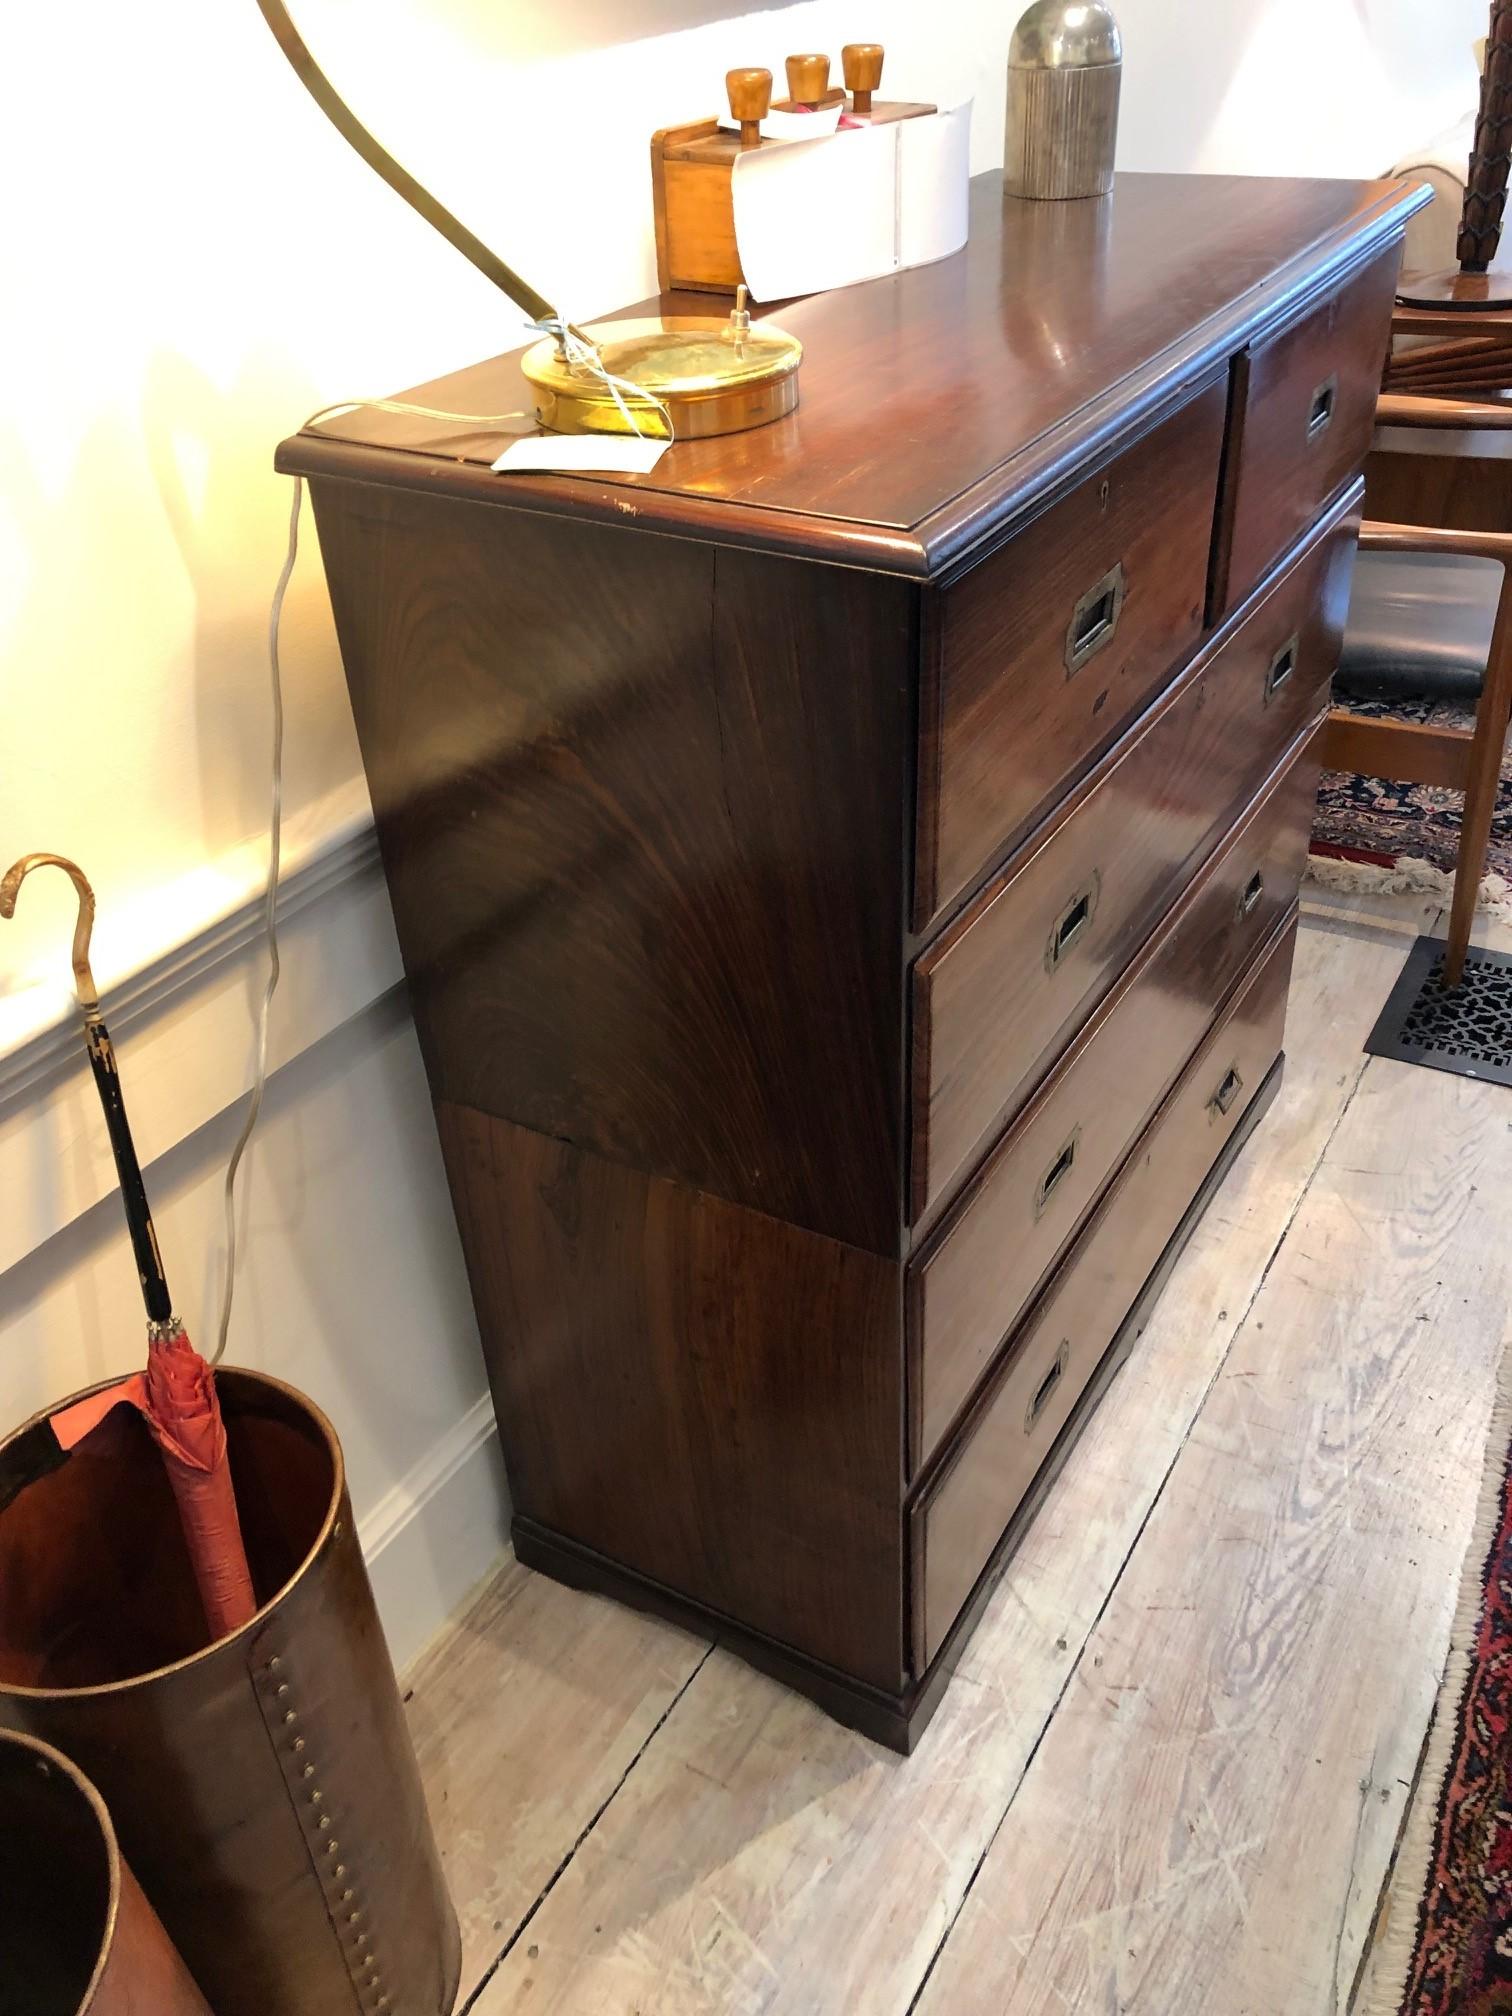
275	820
270	920
478	420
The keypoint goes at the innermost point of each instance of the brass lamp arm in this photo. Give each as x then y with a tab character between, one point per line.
535	306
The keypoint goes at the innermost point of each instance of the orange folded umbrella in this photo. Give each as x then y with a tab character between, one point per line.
176	1394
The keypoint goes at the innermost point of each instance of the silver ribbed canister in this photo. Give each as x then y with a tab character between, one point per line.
1065	64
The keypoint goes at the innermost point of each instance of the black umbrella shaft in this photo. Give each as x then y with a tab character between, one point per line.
102	1061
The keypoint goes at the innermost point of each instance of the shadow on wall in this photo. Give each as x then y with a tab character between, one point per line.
225	512
1414	40
521	34
74	640
139	706
1290	87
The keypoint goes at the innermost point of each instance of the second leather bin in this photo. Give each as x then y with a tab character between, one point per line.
77	1937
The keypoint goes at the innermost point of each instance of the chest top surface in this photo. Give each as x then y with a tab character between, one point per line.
938	402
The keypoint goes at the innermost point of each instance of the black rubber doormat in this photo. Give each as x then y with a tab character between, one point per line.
1465	1029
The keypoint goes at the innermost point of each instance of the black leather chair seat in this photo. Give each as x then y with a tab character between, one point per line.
1419	628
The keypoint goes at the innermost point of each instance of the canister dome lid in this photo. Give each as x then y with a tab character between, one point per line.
1065	35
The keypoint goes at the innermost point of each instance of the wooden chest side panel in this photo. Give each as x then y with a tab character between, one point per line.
698	226
693	1390
642	811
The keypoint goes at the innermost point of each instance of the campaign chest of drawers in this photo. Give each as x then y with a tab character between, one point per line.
847	881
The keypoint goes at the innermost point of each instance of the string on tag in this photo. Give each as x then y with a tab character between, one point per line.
583	355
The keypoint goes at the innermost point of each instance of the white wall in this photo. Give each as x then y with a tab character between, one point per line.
193	263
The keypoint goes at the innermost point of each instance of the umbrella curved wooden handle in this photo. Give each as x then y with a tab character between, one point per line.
10	884
102	1062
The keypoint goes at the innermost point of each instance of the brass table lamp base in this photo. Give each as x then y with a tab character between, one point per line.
710	377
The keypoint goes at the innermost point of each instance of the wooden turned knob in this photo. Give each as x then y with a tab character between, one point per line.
862	64
808	78
750	93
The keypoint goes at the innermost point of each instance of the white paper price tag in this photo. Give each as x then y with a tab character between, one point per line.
583	454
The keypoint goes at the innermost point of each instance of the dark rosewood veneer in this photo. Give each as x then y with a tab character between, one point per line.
847	881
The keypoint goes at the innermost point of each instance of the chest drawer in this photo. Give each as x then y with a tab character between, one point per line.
970	1287
1304	411
957	1522
1038	657
1012	979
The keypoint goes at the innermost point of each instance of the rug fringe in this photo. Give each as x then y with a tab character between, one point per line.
1410	875
1394	1945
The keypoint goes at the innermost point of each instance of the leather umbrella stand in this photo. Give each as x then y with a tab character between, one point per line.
263	1787
77	1937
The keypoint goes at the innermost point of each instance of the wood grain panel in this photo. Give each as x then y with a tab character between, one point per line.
991	1002
1407	752
1422	476
697	225
956	1524
1303	418
509	1791
1026	1203
1006	722
937	402
710	1397
644	837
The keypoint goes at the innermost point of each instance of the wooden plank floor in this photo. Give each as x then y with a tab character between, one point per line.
1170	1773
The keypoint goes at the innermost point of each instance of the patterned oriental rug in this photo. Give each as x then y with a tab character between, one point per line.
1370	820
1445	1935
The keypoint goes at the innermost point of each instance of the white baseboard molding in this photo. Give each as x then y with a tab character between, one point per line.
437	1533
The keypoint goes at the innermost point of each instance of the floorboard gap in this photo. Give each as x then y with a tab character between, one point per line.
1368	1944
562	1867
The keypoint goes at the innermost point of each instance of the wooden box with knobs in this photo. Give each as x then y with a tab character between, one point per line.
692	165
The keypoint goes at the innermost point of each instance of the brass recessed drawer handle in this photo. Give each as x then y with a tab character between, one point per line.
1250	894
1095	618
1046	1387
1056	1174
1071	925
1222	1101
1321	407
1280	669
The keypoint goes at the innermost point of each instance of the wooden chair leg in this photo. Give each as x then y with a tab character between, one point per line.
1486	753
1488	744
